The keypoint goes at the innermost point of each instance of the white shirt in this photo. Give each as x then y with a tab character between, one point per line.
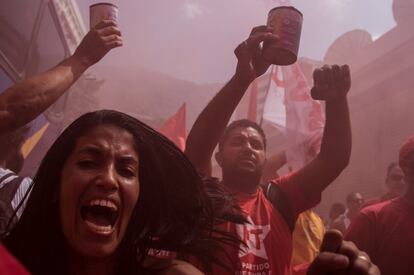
21	191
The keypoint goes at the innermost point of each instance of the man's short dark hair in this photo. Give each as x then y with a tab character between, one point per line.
11	143
242	123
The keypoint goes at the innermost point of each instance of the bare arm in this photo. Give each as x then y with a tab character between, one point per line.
25	100
332	85
212	121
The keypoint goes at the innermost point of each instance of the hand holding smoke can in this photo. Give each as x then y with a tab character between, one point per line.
102	11
103	36
286	23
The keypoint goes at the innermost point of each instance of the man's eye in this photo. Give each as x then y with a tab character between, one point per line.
257	145
236	142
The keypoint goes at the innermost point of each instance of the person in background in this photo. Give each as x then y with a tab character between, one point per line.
335	215
271	211
385	230
394	182
24	101
13	188
354	203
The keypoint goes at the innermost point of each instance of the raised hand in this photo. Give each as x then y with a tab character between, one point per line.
251	63
98	42
339	257
331	82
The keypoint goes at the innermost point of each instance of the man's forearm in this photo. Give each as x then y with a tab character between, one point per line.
212	121
335	151
331	84
24	101
337	140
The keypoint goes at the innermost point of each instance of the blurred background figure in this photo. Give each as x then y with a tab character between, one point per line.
341	222
337	210
394	182
12	187
385	230
24	101
354	202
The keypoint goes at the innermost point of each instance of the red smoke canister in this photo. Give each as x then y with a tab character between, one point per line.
102	11
287	24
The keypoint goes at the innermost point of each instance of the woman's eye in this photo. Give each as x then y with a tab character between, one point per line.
127	172
87	164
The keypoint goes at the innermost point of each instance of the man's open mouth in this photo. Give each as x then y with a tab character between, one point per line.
100	215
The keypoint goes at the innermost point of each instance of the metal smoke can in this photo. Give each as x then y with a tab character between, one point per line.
102	11
286	22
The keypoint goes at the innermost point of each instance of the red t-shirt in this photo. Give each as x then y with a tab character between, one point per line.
385	197
386	232
268	236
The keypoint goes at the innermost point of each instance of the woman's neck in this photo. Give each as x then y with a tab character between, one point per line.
82	266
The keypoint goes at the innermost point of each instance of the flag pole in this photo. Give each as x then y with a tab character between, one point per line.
267	91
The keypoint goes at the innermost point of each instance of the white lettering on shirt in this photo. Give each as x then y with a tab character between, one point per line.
253	235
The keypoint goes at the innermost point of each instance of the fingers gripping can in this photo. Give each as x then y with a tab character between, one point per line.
286	22
102	11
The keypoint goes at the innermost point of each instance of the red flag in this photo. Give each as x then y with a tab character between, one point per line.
175	128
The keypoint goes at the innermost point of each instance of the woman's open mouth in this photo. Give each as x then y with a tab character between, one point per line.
100	216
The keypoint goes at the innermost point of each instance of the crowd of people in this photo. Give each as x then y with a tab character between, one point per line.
112	194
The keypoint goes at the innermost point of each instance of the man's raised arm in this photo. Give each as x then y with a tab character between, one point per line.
27	99
212	121
331	84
